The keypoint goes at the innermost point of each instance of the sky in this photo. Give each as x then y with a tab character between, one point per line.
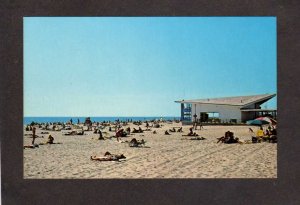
138	66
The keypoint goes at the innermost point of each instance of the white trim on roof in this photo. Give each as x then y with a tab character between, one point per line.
223	102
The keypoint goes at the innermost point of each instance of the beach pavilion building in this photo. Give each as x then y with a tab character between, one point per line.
227	109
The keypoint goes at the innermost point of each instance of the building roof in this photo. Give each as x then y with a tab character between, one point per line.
259	110
236	101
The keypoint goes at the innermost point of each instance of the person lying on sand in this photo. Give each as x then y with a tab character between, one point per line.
191	133
109	157
194	138
50	141
137	131
44	132
31	146
197	138
104	136
156	126
79	132
136	143
172	130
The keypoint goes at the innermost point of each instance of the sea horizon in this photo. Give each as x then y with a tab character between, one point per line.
44	119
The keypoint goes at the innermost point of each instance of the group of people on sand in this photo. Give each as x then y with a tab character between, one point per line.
228	138
49	141
173	130
193	135
269	135
139	130
197	122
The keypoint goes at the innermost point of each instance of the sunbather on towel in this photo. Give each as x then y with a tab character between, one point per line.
32	146
136	143
191	133
197	138
172	130
109	157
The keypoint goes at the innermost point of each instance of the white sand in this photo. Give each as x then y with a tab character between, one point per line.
168	157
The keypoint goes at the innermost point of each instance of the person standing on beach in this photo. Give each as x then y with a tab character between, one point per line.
33	135
119	134
195	121
200	122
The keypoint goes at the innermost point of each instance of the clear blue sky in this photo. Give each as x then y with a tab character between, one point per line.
138	66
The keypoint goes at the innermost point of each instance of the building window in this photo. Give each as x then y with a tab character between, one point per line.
211	117
186	112
233	120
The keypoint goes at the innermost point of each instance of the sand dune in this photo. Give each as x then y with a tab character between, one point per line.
169	156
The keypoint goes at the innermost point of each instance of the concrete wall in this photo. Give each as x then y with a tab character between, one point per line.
226	112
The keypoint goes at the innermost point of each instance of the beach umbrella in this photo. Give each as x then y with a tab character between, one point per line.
257	122
268	119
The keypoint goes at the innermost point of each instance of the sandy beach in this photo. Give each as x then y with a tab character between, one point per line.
169	156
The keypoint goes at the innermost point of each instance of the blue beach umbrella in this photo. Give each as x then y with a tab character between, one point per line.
257	122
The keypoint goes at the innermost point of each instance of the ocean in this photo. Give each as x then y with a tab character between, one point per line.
28	120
